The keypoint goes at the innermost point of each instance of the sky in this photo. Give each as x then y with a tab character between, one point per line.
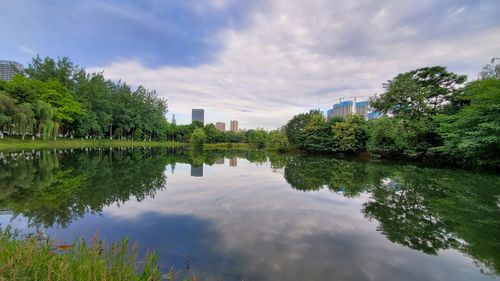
259	62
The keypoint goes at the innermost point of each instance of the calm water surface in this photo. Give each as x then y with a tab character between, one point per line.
258	216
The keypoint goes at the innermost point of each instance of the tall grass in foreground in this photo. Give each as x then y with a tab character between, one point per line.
35	258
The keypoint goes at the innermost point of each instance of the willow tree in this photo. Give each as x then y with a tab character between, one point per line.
24	119
44	115
7	109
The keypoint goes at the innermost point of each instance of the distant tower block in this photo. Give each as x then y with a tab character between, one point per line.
221	126
234	126
362	109
9	68
198	115
233	162
197	171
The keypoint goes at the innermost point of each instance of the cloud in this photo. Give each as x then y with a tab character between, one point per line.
293	56
259	62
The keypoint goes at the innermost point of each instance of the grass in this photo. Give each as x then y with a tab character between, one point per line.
37	258
16	143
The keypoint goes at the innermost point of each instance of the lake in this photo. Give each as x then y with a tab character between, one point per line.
255	215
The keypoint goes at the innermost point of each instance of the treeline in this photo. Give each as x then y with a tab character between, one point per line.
197	135
429	114
58	98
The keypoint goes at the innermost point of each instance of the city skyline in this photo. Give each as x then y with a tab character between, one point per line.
260	62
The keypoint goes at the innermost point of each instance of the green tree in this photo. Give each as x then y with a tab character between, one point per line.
198	138
7	110
387	137
350	136
24	119
278	141
213	134
419	93
44	114
473	134
257	137
310	131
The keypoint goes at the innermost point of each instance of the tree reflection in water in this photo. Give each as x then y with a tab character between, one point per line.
425	209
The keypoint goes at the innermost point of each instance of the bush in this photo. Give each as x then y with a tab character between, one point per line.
387	137
350	136
198	138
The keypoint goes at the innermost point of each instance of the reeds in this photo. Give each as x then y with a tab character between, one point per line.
40	259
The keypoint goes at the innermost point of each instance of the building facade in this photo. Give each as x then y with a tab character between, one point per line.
198	115
234	126
342	109
362	108
9	68
221	126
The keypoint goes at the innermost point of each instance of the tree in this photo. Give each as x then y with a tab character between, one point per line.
24	119
387	137
47	69
257	137
350	136
473	134
310	131
491	70
278	141
419	93
198	138
213	134
44	114
7	110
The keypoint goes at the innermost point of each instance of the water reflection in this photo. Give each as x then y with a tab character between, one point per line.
197	171
247	222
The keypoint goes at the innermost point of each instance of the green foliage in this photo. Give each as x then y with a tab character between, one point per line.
198	138
83	104
278	141
7	110
24	119
213	134
34	258
387	137
473	134
419	93
350	136
310	131
429	116
257	137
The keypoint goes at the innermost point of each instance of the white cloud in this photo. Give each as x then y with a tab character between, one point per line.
297	55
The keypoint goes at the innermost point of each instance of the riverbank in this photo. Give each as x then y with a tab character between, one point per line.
37	258
16	144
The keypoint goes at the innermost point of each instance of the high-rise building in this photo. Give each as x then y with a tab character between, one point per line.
197	171
362	108
221	126
9	68
233	162
198	115
329	113
342	109
234	126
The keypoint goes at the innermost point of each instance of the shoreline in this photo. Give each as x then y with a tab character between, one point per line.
12	144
